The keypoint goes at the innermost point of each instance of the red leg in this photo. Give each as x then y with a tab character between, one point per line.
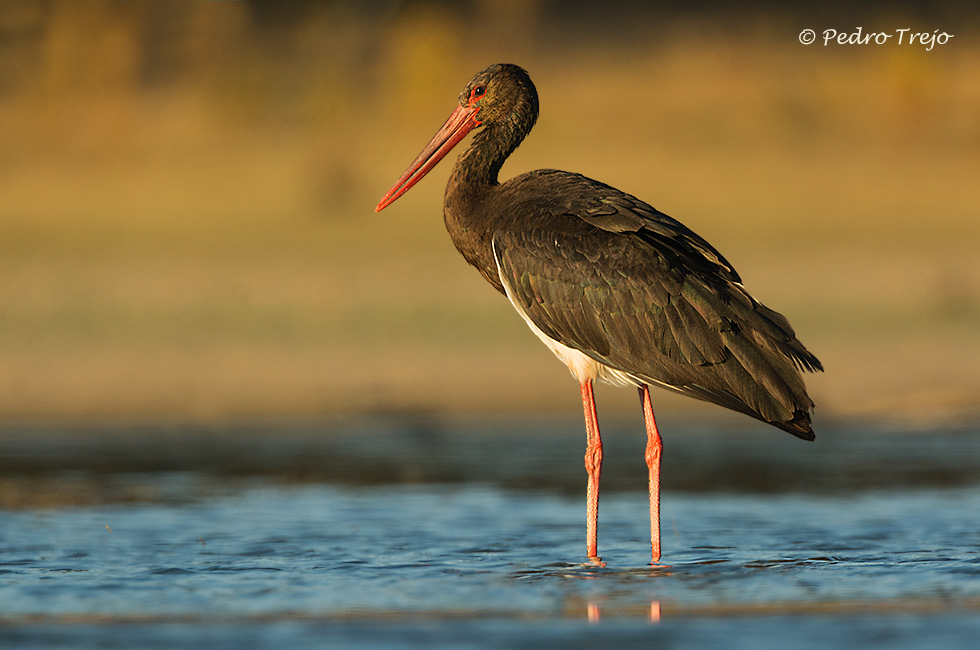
654	449
593	465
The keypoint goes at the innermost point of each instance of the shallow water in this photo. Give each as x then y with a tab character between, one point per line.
402	554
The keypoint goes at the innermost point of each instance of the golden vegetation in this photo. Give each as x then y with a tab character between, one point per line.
187	225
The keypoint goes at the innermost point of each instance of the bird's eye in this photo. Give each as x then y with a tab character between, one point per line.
479	91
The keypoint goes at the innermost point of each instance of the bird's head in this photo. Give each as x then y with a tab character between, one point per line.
502	94
500	97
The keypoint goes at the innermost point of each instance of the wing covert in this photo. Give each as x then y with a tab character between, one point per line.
650	313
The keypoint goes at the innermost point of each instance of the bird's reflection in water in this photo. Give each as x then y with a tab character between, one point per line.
594	614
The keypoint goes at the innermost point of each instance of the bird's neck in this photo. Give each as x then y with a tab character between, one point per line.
477	168
470	196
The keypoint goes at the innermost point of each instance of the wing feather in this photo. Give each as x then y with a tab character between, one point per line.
635	290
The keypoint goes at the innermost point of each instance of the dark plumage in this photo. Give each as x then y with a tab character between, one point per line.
651	299
619	290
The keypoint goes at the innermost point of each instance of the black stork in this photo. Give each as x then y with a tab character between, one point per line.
619	291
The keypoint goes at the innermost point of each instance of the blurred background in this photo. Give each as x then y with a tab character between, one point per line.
187	191
212	349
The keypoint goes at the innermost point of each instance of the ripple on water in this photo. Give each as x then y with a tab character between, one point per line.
452	557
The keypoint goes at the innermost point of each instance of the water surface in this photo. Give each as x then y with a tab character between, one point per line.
392	536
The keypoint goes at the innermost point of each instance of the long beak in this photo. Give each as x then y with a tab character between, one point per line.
461	122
